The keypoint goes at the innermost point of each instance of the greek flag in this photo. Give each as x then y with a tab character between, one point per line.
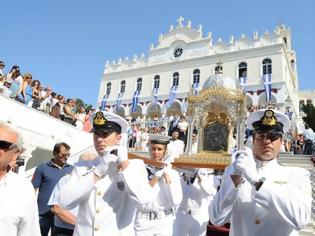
135	100
118	101
172	96
267	85
103	104
243	81
155	94
195	89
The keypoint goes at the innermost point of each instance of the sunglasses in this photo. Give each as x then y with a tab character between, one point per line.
7	146
272	136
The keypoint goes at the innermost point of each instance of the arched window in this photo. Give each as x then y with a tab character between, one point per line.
122	86
139	84
108	88
196	76
242	70
267	67
156	81
175	79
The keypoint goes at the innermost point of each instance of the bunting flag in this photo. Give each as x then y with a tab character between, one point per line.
172	96
243	81
195	89
118	101
267	85
103	104
155	94
135	100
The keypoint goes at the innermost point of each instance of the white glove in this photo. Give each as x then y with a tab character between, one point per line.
102	168
245	163
159	173
122	154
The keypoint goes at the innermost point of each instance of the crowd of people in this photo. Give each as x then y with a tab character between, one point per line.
23	88
113	195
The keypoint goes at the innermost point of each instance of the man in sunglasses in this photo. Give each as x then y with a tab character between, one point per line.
45	178
109	193
18	214
258	196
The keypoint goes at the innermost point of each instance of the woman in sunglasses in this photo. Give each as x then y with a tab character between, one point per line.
258	196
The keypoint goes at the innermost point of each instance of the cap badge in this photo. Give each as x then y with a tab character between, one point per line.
99	118
269	118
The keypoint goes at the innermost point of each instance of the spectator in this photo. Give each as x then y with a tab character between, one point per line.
45	178
162	131
2	65
66	219
176	145
18	203
36	94
309	138
6	91
69	116
14	76
182	125
87	124
80	118
26	95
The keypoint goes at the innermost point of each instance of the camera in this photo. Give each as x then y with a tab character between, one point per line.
20	161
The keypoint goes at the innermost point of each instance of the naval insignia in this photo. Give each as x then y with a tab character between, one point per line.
280	182
99	119
121	185
269	118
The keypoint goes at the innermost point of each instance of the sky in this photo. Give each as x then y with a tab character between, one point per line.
66	43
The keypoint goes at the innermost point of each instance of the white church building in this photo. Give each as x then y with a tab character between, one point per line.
184	58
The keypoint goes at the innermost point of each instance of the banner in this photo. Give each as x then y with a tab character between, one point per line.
172	96
243	81
195	89
267	85
135	100
155	94
118	101
103	104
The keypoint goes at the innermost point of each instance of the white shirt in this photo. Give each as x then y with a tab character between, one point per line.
176	147
309	134
18	207
103	208
281	207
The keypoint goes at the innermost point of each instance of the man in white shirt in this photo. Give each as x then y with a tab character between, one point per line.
18	214
258	196
108	194
176	146
309	138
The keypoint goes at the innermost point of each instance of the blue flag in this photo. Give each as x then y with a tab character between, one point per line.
155	94
267	84
103	104
172	95
243	81
195	89
118	101
135	99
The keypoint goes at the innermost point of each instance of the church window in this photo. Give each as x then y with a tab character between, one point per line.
108	88
139	84
175	79
196	76
267	66
122	86
242	70
156	81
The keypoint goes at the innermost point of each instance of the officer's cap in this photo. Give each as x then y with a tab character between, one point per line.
107	121
268	120
159	139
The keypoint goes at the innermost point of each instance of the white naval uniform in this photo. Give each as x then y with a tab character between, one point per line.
176	147
104	209
157	217
281	207
18	207
192	216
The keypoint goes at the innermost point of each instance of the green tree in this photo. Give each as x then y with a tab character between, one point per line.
309	111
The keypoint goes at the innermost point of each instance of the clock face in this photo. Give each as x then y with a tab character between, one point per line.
178	52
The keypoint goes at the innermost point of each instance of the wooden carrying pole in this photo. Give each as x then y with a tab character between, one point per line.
175	164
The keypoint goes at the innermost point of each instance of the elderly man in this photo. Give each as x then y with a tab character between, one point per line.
18	214
258	196
108	194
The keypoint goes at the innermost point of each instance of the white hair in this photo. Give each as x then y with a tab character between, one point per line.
11	128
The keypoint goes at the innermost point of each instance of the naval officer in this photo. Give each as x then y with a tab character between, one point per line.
258	196
108	194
